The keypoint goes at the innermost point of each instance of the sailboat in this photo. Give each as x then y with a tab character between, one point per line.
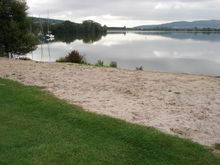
49	36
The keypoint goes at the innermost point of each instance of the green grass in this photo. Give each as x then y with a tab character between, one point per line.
37	128
62	59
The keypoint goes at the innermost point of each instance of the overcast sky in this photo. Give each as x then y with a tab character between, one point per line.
126	12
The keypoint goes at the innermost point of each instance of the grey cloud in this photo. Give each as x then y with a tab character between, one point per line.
161	10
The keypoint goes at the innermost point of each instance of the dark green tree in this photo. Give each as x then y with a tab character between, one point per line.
15	33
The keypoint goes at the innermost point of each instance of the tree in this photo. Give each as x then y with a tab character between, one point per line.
15	34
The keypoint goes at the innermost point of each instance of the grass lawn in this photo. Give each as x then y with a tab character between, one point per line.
37	128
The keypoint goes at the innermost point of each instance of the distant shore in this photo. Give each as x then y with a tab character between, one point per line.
161	30
180	104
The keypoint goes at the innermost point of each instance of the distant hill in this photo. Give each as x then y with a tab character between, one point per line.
203	24
46	20
197	36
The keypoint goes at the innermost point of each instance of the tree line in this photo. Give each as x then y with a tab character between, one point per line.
86	28
89	31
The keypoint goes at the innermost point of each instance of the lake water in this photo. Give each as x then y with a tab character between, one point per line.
194	53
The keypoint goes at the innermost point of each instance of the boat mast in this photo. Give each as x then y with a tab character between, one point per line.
48	22
48	31
41	33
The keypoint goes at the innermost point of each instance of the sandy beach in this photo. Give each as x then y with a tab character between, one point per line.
179	104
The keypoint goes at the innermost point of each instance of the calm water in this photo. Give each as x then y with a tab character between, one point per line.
196	53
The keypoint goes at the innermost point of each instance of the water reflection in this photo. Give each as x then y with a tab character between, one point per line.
86	38
196	53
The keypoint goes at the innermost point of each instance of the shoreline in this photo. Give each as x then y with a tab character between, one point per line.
126	69
180	104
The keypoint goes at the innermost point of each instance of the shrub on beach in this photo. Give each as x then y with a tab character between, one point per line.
140	68
217	146
100	63
113	64
73	57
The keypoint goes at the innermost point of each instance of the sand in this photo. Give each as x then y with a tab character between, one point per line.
179	104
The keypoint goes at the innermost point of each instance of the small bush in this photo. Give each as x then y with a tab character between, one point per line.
140	68
113	64
100	63
217	146
75	57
